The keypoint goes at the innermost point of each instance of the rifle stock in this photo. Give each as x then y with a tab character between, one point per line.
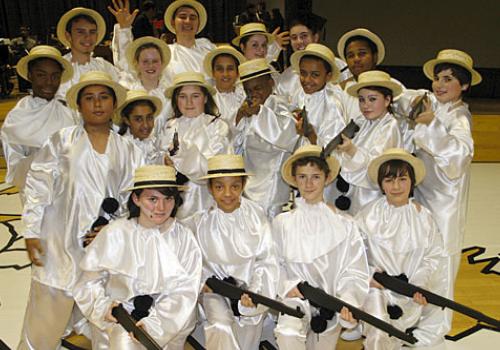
408	289
318	297
350	130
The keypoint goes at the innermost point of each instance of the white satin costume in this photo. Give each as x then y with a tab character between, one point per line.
237	244
26	128
200	138
150	148
399	240
127	260
65	187
372	139
323	247
265	140
229	104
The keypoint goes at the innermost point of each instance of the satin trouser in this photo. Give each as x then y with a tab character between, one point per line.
295	334
48	314
225	331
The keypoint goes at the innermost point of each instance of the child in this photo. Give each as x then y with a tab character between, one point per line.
266	136
254	42
319	245
401	238
147	255
235	239
201	134
378	132
35	117
81	29
71	175
136	118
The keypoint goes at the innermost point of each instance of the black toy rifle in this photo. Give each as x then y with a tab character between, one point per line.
408	289
175	144
233	292
128	322
350	130
318	297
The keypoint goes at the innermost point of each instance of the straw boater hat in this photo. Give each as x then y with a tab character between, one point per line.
199	8
95	78
44	51
137	95
189	78
223	165
308	151
364	33
155	176
457	57
317	50
397	153
222	49
252	29
254	68
375	78
162	46
61	25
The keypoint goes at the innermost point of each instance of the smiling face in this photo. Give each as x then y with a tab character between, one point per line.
149	64
311	181
397	189
83	36
446	87
225	72
359	57
45	76
227	192
301	36
155	207
191	101
141	121
96	103
186	21
313	74
373	104
255	47
258	89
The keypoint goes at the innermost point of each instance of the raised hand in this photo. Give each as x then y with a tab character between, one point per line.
427	116
283	38
121	11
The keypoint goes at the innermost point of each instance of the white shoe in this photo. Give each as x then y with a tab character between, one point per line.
352	334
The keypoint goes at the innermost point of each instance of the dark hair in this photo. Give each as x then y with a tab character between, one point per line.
33	63
244	40
317	58
210	107
371	44
135	211
394	168
236	62
148	46
313	22
311	160
463	75
148	5
384	91
110	91
125	113
77	18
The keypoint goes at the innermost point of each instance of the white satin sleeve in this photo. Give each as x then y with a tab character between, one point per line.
122	37
18	159
451	147
273	51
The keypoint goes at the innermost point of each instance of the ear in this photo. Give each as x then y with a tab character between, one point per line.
135	199
242	48
387	101
465	87
315	38
68	36
329	76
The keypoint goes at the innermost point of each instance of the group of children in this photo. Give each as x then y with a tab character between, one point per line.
200	146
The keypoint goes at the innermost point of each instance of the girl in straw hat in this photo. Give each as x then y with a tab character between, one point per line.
239	228
319	245
82	29
71	175
136	117
147	262
442	139
378	132
37	116
200	132
402	239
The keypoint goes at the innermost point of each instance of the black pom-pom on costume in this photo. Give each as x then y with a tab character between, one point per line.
110	205
342	185
343	202
394	311
142	304
318	324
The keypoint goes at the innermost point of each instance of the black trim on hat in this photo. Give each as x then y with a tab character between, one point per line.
251	75
225	171
155	183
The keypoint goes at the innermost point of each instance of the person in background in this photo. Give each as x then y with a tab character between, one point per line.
143	24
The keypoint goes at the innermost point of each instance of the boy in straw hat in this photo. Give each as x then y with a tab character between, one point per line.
76	169
442	139
266	135
239	228
319	245
402	238
148	262
81	29
37	116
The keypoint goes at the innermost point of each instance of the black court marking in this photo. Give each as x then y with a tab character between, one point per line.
491	262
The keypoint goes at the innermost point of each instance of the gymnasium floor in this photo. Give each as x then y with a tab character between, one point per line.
478	283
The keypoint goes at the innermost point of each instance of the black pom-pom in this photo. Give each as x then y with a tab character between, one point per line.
142	304
326	313
342	185
110	205
100	221
318	324
343	203
394	312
